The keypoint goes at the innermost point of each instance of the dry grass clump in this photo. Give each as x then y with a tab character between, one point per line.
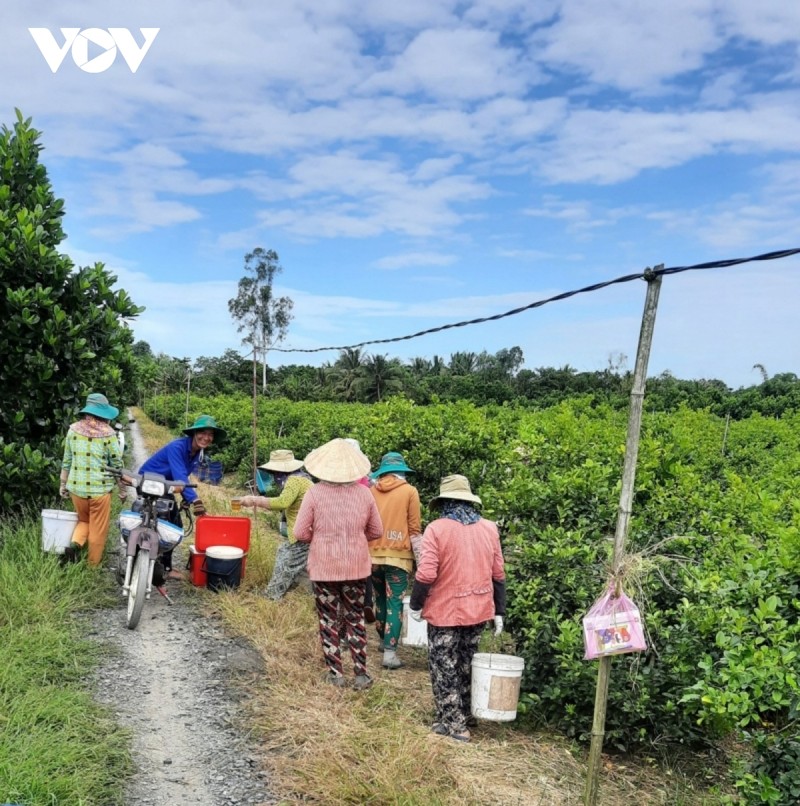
324	745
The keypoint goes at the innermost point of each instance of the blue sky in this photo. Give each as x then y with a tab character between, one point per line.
429	161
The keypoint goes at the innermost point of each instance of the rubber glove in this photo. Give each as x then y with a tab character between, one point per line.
198	508
415	614
498	625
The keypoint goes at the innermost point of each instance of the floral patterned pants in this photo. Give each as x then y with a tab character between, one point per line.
389	585
450	652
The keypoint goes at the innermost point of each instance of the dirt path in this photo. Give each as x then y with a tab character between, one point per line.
173	683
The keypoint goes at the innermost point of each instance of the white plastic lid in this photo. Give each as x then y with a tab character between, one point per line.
224	552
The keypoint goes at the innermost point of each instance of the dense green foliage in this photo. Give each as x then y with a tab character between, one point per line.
714	550
481	378
63	333
56	745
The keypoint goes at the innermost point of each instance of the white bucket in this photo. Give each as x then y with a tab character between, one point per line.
414	633
57	528
495	686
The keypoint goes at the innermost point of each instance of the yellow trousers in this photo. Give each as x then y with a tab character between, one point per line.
94	517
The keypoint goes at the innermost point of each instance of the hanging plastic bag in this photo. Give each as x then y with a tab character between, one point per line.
613	626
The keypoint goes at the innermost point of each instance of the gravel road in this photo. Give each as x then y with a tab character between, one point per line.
175	682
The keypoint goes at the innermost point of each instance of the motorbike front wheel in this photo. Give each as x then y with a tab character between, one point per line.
138	589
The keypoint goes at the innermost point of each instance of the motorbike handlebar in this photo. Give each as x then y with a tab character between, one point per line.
134	479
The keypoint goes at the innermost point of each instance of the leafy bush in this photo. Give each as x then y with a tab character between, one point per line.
714	545
62	333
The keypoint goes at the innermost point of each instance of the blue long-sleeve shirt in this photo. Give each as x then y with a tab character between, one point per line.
175	462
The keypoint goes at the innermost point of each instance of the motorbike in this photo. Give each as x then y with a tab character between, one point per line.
145	534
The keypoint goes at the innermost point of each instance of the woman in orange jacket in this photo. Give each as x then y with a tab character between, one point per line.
392	554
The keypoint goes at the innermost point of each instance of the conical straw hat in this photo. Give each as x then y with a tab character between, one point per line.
337	461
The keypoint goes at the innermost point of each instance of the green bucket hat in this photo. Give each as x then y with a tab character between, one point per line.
98	405
205	422
391	462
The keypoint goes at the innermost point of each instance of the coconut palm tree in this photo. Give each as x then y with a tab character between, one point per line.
380	377
420	367
463	363
348	368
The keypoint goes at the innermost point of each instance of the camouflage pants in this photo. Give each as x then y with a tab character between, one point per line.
290	563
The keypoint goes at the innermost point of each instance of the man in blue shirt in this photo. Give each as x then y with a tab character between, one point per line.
178	460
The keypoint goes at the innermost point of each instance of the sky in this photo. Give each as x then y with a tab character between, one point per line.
424	162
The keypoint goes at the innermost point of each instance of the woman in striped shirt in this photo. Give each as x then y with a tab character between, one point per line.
337	518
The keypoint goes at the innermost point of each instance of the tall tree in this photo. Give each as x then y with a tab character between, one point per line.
64	329
463	363
381	376
348	369
262	316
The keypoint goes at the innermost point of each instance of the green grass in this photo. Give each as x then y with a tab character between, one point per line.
56	745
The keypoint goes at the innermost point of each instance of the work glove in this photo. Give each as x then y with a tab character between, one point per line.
415	614
63	492
198	508
498	625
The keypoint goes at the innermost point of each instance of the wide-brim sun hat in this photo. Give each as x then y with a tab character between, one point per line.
282	461
337	461
98	406
391	462
205	422
455	488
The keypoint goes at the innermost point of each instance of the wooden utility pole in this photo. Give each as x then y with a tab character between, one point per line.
255	416
188	363
623	519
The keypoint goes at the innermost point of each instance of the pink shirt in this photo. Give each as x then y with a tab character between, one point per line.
459	563
338	520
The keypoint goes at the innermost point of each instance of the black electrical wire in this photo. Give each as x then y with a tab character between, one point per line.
648	274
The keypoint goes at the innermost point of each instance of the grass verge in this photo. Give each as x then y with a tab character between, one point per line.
56	745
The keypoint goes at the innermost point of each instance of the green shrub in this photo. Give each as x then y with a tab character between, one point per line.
713	550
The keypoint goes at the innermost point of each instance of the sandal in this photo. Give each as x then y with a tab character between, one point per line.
439	729
362	681
461	737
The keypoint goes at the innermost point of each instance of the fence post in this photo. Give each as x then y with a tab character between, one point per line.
623	518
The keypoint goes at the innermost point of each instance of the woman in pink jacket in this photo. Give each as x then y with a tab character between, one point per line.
459	586
337	517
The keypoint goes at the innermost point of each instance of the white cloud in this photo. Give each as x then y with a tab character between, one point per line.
461	64
628	44
612	146
393	262
343	194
